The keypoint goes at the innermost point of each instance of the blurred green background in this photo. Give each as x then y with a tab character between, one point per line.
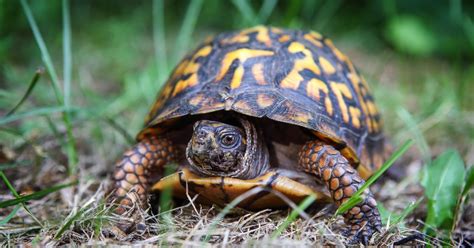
417	56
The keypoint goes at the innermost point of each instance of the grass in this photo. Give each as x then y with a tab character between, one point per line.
32	85
292	216
104	94
159	42
60	98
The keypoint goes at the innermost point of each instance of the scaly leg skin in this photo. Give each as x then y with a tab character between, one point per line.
134	171
342	181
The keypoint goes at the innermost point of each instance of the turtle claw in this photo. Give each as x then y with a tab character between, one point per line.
359	237
364	240
130	215
114	231
362	235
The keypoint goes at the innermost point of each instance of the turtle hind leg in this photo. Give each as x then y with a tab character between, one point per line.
343	181
135	169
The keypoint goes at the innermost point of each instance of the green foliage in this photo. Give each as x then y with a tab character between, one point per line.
37	195
247	12
443	181
78	215
159	42
34	112
18	201
32	85
415	133
409	34
187	27
469	181
292	216
62	99
389	218
10	215
166	198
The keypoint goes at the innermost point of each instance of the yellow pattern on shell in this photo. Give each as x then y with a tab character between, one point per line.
341	90
264	100
243	36
237	78
355	116
293	79
190	67
242	55
314	41
326	65
257	72
314	88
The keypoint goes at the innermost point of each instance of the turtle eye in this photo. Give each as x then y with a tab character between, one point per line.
229	139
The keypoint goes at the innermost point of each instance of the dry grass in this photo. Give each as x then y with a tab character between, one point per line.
185	225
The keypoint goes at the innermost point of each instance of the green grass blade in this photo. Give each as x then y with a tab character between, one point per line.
31	86
44	50
294	213
408	210
393	219
469	182
17	196
326	12
4	166
67	55
54	129
166	202
69	223
8	184
159	41
355	199
34	112
86	213
129	138
36	195
468	26
71	150
416	133
166	194
266	10
246	11
187	28
10	215
11	131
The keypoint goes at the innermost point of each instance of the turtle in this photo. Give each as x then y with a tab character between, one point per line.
276	109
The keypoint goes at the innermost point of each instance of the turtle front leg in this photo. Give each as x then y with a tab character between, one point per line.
343	181
137	167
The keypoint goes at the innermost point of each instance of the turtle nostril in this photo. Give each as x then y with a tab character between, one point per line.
201	135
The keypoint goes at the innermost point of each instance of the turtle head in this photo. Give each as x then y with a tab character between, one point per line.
220	149
216	148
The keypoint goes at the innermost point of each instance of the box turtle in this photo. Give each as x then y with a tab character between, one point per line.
265	107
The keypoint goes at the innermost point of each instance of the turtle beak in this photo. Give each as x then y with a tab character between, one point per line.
201	144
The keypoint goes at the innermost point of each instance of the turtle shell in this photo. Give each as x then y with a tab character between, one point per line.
289	76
